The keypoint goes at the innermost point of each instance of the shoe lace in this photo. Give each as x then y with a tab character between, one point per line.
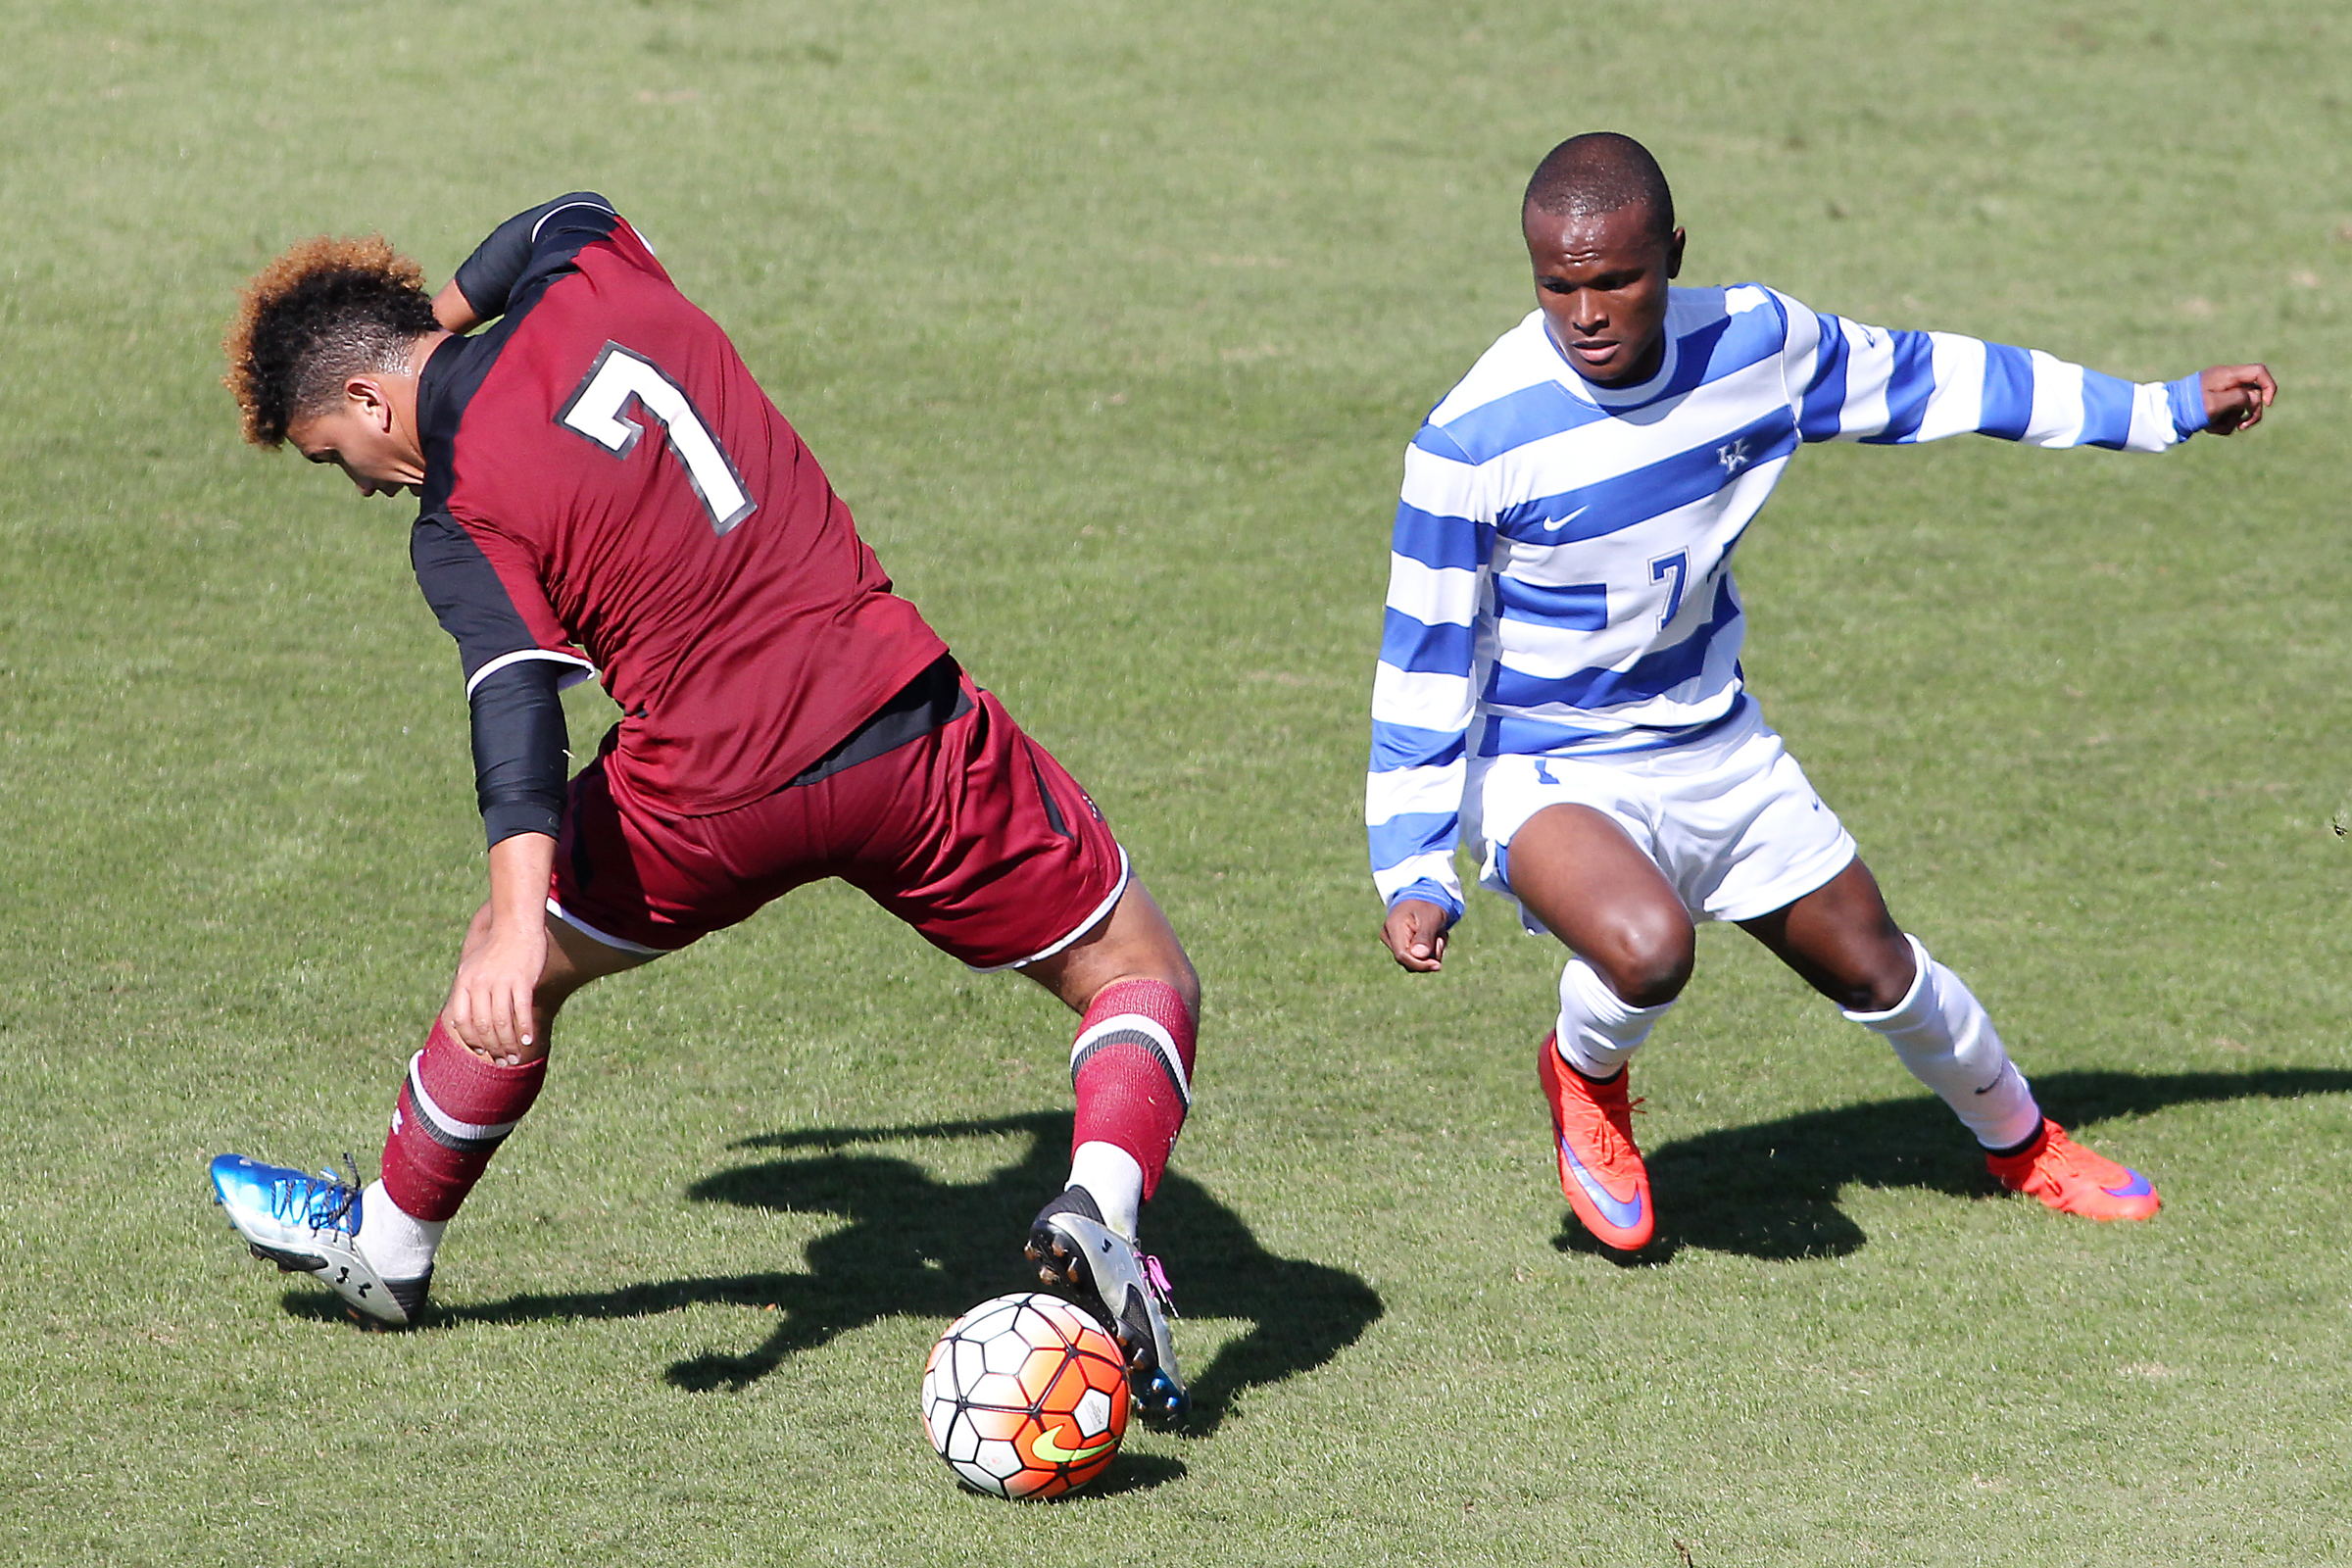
1617	1119
2069	1159
1156	1276
322	1203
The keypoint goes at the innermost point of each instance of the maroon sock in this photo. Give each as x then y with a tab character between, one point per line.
1132	1065
454	1111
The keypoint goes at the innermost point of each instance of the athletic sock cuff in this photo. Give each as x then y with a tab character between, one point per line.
1605	1007
1900	1015
2023	1146
465	1098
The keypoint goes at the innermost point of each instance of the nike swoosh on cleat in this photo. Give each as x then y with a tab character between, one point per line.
1050	1450
1624	1214
2137	1187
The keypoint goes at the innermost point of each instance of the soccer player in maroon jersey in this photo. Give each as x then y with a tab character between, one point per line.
605	490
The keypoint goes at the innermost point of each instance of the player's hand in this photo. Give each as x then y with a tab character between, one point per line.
1415	932
490	1003
2236	396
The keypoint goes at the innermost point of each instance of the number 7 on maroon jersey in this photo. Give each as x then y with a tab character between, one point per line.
596	412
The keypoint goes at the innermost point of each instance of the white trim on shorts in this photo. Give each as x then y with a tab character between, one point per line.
1810	876
619	944
1100	913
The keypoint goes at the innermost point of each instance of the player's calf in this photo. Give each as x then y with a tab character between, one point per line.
1943	1036
1131	1066
453	1113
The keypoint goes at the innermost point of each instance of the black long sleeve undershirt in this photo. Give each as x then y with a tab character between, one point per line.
519	750
488	277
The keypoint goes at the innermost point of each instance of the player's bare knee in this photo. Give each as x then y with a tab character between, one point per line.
1657	983
1863	976
1647	963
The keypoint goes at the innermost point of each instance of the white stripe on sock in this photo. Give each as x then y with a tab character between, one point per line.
474	1132
1162	1041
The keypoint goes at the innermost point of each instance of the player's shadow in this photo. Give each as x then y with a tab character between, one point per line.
915	1246
1771	1191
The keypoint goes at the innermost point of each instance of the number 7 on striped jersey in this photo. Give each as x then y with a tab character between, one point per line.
597	411
1679	563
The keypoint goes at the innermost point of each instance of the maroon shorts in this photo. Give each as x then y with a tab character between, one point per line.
938	807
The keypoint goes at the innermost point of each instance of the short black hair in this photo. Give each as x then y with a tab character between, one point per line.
1600	172
326	310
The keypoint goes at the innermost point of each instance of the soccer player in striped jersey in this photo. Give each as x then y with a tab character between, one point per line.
1559	672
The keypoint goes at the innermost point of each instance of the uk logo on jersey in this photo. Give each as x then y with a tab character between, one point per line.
1734	456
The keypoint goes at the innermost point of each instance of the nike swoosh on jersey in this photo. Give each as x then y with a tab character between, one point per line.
1624	1214
1555	528
1048	1449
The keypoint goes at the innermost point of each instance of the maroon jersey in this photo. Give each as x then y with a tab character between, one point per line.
608	488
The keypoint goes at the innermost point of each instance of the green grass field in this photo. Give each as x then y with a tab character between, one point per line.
1111	321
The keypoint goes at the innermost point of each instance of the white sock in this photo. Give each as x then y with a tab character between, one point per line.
1598	1031
1113	1179
399	1245
1942	1034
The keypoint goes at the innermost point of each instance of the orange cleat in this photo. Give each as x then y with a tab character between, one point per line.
1600	1170
2065	1175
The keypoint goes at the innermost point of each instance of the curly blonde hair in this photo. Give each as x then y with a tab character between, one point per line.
327	309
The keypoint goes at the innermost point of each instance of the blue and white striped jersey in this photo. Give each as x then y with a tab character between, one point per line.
1560	579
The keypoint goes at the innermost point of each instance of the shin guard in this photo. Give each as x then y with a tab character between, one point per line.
1597	1032
454	1111
1132	1065
1941	1032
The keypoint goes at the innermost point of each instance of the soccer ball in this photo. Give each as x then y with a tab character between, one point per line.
1025	1396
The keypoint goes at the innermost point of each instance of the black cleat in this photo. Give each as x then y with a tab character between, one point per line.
1085	1260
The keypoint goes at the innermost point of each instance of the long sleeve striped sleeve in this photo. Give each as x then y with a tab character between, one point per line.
1853	382
1422	693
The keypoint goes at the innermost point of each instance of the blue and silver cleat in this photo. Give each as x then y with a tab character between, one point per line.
1080	1258
311	1225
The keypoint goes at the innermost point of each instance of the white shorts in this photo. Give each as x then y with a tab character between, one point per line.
1729	819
